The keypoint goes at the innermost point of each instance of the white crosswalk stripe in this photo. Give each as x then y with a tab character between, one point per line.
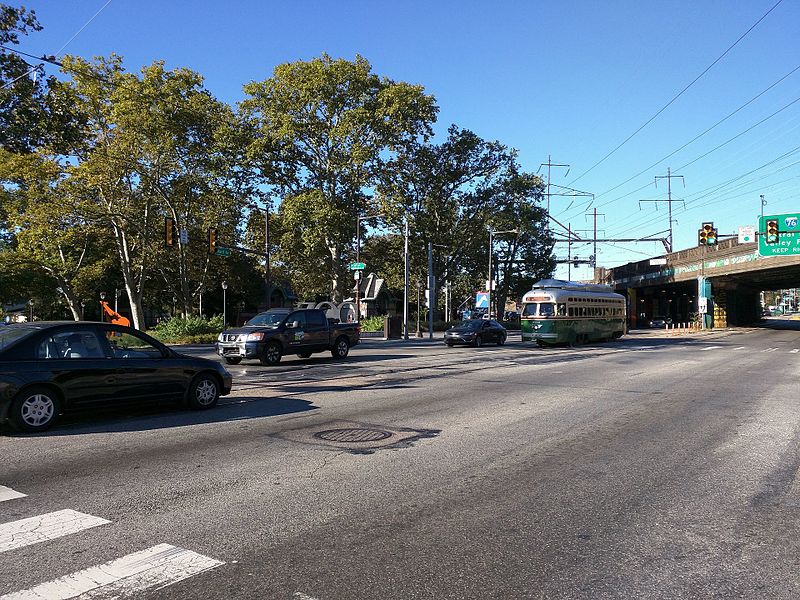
18	534
154	568
6	493
770	349
794	351
126	577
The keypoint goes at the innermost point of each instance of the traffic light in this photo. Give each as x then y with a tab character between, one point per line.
212	240
707	235
772	231
170	232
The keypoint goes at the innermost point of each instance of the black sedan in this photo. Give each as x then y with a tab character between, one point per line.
50	368
476	332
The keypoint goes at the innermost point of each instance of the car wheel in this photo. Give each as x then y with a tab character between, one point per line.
341	348
449	344
232	361
35	409
204	392
272	355
305	355
478	341
501	340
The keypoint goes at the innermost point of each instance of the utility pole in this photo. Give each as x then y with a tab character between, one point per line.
569	252
431	291
405	284
763	204
669	176
549	164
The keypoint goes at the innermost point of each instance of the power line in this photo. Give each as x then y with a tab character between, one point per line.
678	95
698	136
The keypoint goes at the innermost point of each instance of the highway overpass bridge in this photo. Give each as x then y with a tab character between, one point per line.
730	275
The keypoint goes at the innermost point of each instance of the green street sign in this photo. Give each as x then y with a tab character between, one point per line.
357	266
779	235
222	252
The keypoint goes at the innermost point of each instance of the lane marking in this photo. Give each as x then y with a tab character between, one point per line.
18	534
6	493
740	348
298	595
795	351
154	568
770	350
712	347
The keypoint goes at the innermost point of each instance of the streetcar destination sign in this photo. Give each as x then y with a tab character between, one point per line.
779	235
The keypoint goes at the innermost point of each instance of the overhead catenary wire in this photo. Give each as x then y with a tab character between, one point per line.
698	136
678	95
51	59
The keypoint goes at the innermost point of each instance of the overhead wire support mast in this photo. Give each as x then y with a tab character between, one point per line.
550	164
669	176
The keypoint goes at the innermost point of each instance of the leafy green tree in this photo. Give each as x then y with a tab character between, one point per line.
453	193
323	131
34	111
156	150
55	242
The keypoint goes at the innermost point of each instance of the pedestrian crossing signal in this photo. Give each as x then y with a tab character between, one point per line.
772	231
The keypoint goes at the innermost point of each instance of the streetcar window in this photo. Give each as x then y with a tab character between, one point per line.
546	309
529	310
562	310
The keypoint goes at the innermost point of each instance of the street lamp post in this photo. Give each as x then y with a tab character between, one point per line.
102	299
224	304
490	281
358	260
419	331
30	303
83	310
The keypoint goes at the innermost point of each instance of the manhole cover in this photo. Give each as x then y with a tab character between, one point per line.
353	435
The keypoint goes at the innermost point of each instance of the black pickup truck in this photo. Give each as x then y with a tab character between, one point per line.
270	335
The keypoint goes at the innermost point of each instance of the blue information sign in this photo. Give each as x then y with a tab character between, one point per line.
482	300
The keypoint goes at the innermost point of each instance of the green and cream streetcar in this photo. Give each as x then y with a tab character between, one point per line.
559	312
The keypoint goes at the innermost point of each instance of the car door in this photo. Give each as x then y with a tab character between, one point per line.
487	332
145	370
296	332
75	359
316	334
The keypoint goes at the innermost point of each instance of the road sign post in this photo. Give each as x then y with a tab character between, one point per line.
779	235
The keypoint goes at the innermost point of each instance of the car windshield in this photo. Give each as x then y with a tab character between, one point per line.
11	333
267	319
472	324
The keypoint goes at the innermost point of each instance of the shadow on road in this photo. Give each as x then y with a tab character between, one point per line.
144	418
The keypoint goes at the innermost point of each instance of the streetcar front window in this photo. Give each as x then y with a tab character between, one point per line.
529	310
547	309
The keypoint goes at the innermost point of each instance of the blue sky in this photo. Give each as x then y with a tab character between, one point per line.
571	80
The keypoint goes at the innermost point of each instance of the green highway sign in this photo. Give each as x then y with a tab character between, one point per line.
357	266
222	252
779	235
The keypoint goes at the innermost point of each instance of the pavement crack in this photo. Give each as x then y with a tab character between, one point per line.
325	463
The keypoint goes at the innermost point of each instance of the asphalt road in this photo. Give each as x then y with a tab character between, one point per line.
659	466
